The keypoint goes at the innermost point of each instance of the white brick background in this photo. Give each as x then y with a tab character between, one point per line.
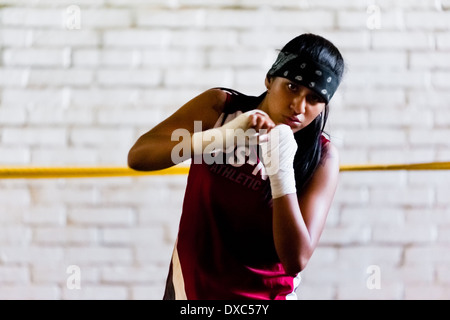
74	96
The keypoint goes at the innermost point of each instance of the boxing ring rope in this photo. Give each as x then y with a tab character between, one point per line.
22	172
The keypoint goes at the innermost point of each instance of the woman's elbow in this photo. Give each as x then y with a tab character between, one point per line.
295	266
135	161
132	163
145	159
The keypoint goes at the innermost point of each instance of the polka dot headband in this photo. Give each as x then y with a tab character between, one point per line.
306	72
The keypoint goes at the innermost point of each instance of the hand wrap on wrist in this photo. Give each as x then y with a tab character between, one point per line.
218	138
278	158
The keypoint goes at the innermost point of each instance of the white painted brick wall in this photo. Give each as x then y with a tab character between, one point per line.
81	95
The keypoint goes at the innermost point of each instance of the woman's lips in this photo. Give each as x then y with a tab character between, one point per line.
293	121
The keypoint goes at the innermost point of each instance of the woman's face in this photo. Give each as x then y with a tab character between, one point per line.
290	103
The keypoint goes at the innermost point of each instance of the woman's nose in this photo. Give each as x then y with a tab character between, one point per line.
299	105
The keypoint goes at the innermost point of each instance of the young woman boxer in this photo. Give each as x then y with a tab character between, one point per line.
249	227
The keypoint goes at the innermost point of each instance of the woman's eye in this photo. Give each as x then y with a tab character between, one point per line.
292	86
313	99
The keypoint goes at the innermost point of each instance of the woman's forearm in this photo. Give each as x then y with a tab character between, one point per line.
155	152
291	236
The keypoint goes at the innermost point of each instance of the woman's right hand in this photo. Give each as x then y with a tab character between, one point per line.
259	120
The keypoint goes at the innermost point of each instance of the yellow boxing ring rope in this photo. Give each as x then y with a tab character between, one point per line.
22	172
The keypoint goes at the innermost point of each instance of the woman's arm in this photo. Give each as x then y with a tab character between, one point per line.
298	223
152	151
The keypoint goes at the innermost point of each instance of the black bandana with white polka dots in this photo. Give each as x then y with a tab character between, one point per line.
306	72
